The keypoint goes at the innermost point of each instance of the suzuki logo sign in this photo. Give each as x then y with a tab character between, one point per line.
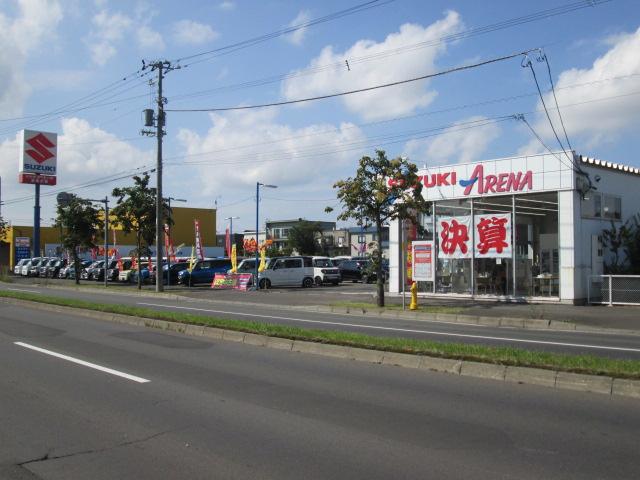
38	157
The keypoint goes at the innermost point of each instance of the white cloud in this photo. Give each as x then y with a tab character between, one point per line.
227	5
149	39
597	122
35	22
465	141
188	32
84	152
387	102
297	37
253	146
109	29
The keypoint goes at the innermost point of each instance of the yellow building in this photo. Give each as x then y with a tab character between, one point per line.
182	232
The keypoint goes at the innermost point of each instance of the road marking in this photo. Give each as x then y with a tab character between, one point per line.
406	330
22	290
82	362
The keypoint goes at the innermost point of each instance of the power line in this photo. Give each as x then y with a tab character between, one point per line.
285	31
359	90
555	99
536	16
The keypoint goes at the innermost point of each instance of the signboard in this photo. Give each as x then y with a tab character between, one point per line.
38	157
236	281
454	235
491	236
422	255
536	173
23	248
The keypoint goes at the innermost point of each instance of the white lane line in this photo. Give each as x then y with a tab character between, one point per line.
407	330
82	362
22	290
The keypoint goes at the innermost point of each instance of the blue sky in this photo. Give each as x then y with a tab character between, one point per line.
57	53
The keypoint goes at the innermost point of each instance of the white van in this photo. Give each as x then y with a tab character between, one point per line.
324	271
288	271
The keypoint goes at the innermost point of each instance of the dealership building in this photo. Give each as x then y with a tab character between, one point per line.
520	228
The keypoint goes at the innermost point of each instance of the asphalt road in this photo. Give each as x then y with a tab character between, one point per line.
602	344
146	404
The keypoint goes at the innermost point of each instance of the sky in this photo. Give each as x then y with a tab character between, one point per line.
74	67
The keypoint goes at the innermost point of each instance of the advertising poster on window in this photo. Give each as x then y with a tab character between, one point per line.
454	237
493	235
422	269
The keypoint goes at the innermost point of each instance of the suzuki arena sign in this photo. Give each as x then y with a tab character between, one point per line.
496	177
38	157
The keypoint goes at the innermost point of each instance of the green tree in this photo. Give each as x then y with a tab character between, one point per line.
382	190
80	223
303	237
136	212
623	242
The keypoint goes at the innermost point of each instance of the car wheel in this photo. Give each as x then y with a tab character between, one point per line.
307	282
319	281
265	283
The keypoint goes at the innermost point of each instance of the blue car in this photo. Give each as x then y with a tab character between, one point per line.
204	271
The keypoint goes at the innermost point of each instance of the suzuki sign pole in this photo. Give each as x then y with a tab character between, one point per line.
38	166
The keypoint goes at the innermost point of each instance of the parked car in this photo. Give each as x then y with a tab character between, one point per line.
288	271
248	265
98	273
113	274
174	269
17	269
27	266
34	269
360	270
324	271
87	273
70	272
53	268
204	271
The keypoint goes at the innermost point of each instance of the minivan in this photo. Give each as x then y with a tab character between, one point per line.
288	271
324	271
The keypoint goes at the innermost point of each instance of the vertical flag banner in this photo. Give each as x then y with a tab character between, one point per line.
493	236
199	250
263	259
192	259
227	242
454	236
168	244
234	260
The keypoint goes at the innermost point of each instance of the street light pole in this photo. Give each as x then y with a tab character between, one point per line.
105	201
258	184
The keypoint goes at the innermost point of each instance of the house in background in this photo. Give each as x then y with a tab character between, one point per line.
364	241
278	230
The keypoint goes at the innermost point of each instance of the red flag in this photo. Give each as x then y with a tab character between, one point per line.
228	242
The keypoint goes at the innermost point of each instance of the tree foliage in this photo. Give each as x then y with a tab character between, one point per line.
623	242
381	190
80	223
136	212
303	237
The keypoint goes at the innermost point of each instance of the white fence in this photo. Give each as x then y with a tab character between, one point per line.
614	289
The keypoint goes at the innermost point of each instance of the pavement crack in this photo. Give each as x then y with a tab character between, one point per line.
47	456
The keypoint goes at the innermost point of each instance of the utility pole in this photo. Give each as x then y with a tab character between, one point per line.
161	66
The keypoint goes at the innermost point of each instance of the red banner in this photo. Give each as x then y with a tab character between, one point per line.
227	242
199	250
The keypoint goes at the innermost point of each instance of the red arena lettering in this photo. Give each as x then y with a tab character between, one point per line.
502	182
490	185
526	181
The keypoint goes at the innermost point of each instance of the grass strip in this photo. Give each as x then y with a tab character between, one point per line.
588	364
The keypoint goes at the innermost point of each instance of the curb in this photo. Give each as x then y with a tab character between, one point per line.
613	387
499	322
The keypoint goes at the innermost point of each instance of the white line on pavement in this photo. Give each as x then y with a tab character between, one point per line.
407	330
22	290
82	362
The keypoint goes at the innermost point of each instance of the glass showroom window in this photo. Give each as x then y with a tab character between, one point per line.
611	207
536	245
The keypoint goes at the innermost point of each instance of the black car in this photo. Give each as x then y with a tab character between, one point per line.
359	270
87	273
43	269
174	269
54	267
70	272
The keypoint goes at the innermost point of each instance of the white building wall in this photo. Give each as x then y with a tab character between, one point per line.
568	243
